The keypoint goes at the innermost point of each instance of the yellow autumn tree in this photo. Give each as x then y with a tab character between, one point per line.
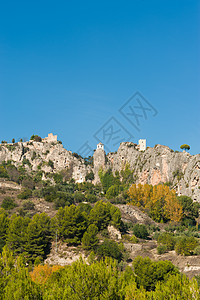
140	194
173	208
161	202
41	273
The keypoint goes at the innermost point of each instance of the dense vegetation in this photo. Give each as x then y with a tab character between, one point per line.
95	280
83	212
74	225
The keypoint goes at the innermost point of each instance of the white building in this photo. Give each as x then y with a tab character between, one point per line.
142	144
100	146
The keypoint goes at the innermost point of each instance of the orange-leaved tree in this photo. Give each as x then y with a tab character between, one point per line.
161	202
41	273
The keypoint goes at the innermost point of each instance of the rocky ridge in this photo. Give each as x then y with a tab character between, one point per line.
154	165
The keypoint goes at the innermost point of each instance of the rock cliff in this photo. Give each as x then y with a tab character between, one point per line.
160	165
154	165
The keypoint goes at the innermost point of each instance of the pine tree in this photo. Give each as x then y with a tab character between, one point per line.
90	239
38	236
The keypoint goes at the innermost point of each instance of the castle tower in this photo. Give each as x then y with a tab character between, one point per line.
99	159
142	144
100	146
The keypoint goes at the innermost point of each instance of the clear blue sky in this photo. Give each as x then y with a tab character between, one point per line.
67	67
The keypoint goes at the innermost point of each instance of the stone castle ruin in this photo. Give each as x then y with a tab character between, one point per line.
50	139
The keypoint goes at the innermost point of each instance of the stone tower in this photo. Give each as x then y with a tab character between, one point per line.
99	158
142	145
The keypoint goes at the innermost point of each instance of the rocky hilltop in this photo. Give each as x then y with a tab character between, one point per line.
154	165
160	164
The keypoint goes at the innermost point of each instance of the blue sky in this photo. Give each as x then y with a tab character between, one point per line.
67	67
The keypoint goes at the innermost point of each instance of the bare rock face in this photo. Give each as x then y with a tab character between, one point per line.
160	165
132	214
48	157
99	158
114	233
154	165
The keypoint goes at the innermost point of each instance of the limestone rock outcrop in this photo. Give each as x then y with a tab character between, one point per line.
160	165
48	157
154	165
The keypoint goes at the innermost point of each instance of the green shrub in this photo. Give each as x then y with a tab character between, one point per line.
110	249
161	249
28	182
130	238
89	176
91	198
33	155
186	245
105	233
3	172
140	231
58	178
36	138
25	194
26	162
28	205
167	239
112	192
156	235
51	164
8	203
197	250
79	197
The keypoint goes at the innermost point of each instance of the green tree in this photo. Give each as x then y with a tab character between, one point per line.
4	223
176	287
190	210
90	240
168	240
36	138
109	249
6	266
148	273
185	147
140	231
115	216
38	236
71	224
186	245
100	215
99	280
20	285
112	192
107	179
3	172
16	235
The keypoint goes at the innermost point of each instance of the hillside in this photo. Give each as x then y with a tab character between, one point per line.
180	170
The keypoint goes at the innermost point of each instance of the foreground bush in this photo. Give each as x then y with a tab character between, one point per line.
186	245
98	280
